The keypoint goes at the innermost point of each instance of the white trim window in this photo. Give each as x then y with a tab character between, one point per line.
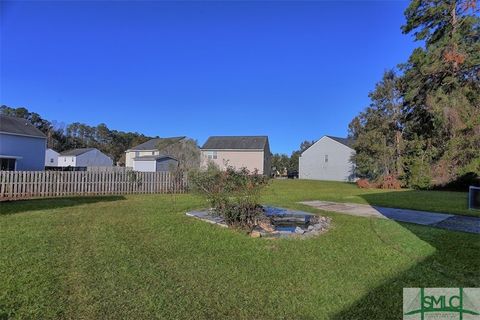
326	158
211	155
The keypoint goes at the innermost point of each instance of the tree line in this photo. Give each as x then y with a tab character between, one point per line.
282	163
62	137
422	126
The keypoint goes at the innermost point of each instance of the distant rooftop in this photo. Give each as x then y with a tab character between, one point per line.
156	144
19	126
154	157
345	141
76	152
236	143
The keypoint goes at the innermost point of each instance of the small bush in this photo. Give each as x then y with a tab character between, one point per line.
363	184
232	194
383	182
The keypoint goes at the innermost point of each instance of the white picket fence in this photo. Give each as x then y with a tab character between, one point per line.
38	184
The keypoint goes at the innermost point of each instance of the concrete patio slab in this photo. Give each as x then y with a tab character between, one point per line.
426	218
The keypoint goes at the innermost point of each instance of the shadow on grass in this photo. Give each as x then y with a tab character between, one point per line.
433	202
453	264
436	201
18	206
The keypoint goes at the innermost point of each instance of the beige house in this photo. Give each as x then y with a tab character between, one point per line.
251	152
146	150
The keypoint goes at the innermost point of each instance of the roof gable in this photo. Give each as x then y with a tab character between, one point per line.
156	144
19	126
347	142
236	143
51	150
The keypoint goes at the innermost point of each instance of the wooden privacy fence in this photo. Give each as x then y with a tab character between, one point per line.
35	184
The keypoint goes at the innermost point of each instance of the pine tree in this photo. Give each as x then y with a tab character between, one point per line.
442	83
378	131
433	134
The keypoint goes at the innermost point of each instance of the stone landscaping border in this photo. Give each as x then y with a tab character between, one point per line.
266	226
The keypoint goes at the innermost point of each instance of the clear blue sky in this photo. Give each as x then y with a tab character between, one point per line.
290	70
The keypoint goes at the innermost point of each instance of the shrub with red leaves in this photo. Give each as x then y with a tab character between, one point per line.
363	184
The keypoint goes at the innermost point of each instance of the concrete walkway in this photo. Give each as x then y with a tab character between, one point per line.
426	218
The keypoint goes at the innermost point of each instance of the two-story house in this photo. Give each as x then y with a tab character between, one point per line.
251	152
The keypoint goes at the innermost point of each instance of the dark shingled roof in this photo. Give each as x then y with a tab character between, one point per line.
19	126
156	144
236	142
345	141
76	152
154	157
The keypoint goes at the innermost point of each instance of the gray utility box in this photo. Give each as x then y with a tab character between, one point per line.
474	198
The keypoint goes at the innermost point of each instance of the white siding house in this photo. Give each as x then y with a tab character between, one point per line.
84	157
51	158
328	159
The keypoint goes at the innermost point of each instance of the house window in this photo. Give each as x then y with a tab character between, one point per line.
153	153
212	155
72	159
326	158
51	160
7	164
136	153
64	159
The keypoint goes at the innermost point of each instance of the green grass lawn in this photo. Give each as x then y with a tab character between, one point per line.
438	201
140	257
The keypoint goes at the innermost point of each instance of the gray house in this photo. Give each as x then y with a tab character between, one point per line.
22	146
328	159
84	157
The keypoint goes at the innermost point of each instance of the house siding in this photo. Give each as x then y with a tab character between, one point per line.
51	158
129	155
67	161
238	159
154	165
166	164
267	161
339	167
93	158
30	149
144	165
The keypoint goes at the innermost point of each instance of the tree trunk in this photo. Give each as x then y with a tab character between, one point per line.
398	151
